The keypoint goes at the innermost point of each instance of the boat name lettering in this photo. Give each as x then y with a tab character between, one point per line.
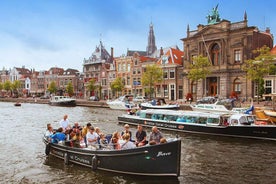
260	132
161	154
82	160
165	125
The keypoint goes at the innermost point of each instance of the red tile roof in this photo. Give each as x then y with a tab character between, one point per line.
174	56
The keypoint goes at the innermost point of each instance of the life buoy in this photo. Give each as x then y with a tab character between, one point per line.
94	162
47	149
66	158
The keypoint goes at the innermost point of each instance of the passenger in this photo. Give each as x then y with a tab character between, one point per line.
91	138
76	128
155	135
115	141
163	140
49	131
103	141
77	141
141	136
98	131
127	144
84	132
64	123
58	136
127	131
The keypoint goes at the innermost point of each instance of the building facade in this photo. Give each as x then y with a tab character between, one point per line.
227	46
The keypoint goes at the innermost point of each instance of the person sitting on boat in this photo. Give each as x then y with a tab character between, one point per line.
58	136
49	131
155	135
127	144
77	141
115	141
126	126
64	123
92	137
84	132
103	142
77	127
141	136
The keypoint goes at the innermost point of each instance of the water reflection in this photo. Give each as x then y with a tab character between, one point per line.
204	159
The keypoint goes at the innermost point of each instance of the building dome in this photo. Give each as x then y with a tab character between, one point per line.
273	50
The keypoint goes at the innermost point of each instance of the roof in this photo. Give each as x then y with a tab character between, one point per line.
132	52
172	56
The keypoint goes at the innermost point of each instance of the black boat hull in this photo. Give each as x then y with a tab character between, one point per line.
156	160
250	131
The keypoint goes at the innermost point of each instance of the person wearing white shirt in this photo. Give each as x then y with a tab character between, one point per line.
64	123
127	144
92	137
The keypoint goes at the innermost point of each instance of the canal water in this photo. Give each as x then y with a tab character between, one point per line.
204	159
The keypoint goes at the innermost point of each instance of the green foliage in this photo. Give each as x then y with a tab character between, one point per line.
7	85
199	69
256	69
152	75
117	85
92	85
52	87
16	85
70	89
1	86
259	67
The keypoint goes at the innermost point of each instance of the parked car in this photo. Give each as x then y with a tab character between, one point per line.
207	100
94	98
139	99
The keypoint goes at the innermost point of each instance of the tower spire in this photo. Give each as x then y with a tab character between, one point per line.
151	48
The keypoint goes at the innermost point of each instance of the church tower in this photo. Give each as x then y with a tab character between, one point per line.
151	48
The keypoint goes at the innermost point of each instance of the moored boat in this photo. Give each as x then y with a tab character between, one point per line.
158	104
234	125
62	101
122	103
154	160
17	104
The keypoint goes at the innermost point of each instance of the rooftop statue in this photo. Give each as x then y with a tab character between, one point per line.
213	17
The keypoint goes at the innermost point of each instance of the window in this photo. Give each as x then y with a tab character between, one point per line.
128	67
237	85
165	74
171	74
180	92
268	87
135	62
193	87
237	55
215	53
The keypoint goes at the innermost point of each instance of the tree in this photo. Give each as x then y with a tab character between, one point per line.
16	86
257	68
199	69
52	87
117	85
91	85
8	86
70	89
152	75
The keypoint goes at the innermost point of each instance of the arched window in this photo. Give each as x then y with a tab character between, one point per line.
215	54
237	85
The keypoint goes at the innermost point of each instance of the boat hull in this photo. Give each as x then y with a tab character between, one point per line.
142	161
247	131
149	106
71	103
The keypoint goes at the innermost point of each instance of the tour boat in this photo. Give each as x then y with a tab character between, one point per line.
234	125
151	160
62	101
158	104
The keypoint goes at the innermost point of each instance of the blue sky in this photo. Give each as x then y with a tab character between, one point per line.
41	34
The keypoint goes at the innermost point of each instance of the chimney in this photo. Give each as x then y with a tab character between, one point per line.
267	30
112	50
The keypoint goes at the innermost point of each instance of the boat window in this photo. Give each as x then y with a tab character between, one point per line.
251	119
142	115
202	120
213	120
234	121
148	116
243	120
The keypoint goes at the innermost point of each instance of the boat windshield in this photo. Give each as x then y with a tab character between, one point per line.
212	120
